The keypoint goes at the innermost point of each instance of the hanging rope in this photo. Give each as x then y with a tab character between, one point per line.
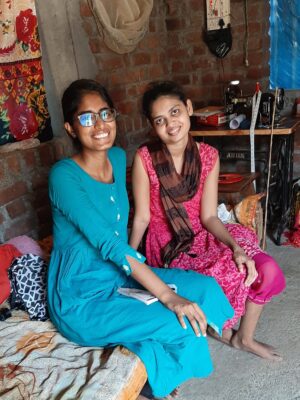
246	37
269	171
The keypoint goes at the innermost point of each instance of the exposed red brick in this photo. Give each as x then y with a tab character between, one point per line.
177	66
150	42
29	157
172	7
16	208
192	37
111	62
152	25
255	57
128	76
209	78
39	181
174	24
141	58
182	79
156	71
127	108
46	154
255	44
13	164
21	227
173	48
12	192
1	170
59	151
173	39
131	91
255	73
138	122
255	28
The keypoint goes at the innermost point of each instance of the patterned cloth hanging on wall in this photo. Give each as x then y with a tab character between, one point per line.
285	38
23	105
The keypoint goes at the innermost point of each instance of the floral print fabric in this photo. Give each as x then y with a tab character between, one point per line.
23	105
207	255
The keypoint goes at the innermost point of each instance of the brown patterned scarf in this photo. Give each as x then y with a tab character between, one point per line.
174	190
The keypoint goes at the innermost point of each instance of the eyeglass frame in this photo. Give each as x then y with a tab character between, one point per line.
98	115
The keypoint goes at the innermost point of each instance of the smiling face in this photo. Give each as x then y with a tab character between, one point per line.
99	137
170	118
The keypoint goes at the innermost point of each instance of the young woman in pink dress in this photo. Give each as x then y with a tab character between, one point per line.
175	187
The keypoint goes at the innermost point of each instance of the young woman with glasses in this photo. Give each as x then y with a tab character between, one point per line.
91	259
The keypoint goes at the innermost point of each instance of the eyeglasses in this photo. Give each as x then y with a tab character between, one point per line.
88	119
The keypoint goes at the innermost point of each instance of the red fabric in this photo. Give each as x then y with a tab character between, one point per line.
293	236
23	106
8	253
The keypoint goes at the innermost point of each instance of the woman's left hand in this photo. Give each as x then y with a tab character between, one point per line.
242	260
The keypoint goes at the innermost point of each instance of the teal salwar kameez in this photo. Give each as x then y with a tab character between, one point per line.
88	264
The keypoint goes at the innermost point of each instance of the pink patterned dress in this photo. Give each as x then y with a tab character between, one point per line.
207	255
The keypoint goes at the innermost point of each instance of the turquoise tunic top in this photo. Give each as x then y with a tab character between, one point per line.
88	264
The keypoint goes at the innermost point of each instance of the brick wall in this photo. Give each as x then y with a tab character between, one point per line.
174	49
24	204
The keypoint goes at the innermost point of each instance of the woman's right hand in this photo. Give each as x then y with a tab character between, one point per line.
185	308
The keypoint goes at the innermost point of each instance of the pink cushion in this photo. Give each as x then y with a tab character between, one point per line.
26	245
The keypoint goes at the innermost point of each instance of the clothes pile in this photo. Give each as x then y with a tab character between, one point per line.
23	273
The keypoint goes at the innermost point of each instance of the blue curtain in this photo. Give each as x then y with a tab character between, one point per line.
285	44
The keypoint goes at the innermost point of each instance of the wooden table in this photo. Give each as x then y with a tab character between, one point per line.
281	178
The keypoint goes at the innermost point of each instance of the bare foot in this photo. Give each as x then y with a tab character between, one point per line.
226	337
258	348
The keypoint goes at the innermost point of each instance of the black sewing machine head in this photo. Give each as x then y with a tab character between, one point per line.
235	101
266	108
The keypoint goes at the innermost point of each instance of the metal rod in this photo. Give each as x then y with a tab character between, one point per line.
269	172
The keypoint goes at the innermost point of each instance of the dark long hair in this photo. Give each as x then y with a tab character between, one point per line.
74	93
157	89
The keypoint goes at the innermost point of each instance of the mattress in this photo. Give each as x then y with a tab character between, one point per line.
37	363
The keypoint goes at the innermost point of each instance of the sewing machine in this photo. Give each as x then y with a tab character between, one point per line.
236	102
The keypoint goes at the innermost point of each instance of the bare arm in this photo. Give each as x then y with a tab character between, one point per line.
179	305
141	196
212	223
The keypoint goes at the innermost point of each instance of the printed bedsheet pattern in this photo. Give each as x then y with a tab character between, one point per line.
37	363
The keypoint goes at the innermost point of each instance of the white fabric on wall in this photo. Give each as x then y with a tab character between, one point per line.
122	23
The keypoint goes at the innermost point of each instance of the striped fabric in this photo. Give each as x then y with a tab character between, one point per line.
174	190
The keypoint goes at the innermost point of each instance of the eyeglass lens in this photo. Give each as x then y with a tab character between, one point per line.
90	118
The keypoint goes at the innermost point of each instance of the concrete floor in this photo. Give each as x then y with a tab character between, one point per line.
243	376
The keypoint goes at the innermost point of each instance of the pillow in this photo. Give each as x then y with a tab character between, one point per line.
26	245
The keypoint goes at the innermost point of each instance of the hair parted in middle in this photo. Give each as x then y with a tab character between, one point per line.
158	89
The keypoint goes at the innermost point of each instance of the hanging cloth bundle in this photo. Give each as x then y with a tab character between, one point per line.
123	24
